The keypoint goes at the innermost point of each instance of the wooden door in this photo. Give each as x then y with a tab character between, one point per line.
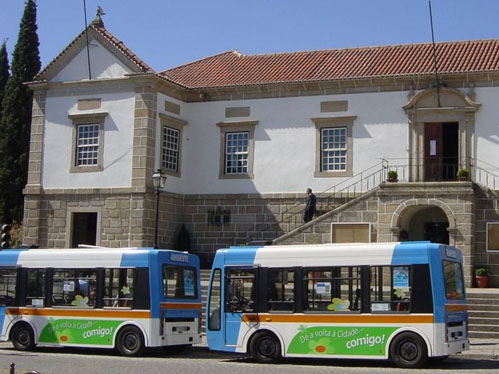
433	151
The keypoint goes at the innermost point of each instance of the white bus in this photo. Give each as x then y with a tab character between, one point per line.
400	301
127	299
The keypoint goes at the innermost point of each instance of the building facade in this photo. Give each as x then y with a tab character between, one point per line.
242	137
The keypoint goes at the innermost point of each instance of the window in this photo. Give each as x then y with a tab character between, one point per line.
334	149
74	288
390	288
88	138
280	293
179	282
87	145
35	287
236	149
492	236
453	280
171	144
240	286
171	139
214	302
334	143
119	288
8	286
236	153
334	289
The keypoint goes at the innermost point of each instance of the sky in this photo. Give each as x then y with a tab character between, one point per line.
169	33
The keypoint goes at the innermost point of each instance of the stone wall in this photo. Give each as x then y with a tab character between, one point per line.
487	210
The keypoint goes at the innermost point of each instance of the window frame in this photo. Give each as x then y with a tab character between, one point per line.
165	284
108	285
75	277
335	283
230	306
339	224
281	301
215	310
12	300
176	124
393	303
237	127
492	223
333	123
87	119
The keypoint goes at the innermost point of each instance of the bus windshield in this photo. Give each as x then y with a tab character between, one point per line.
453	280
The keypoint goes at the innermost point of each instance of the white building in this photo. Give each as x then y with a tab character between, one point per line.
241	138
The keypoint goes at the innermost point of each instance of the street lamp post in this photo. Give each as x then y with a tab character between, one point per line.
158	182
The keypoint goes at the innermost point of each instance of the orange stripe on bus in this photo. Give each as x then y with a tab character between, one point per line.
456	308
180	306
339	318
104	313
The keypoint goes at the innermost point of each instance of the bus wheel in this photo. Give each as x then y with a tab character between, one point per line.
408	350
22	337
130	341
265	348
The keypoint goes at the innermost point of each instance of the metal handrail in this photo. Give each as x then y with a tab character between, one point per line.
371	177
483	176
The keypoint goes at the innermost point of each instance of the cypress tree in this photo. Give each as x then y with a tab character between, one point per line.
4	73
16	118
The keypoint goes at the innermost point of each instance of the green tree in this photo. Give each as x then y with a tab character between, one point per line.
16	118
4	73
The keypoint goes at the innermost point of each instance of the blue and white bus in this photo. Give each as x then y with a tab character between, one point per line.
400	301
127	299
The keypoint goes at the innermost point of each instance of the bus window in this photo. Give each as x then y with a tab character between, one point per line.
74	288
119	288
453	279
8	286
390	288
334	289
179	282
214	301
35	287
240	290
280	292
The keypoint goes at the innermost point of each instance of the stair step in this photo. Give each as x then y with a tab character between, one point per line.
483	307
483	322
487	328
483	335
483	314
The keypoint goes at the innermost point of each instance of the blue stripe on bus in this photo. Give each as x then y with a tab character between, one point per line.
410	253
136	259
9	257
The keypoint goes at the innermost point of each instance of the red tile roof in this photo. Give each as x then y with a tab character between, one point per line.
234	69
143	67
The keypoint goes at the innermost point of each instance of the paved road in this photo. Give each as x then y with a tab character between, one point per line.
199	360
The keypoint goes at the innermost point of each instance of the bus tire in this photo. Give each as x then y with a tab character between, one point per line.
408	350
265	348
130	341
22	337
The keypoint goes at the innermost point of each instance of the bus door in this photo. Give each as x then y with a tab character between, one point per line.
8	280
240	303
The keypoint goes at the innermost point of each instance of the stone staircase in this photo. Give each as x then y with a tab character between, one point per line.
483	309
205	282
483	313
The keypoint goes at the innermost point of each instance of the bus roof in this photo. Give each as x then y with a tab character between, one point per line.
85	257
331	254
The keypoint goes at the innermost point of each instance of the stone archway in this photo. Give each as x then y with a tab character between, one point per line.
436	211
